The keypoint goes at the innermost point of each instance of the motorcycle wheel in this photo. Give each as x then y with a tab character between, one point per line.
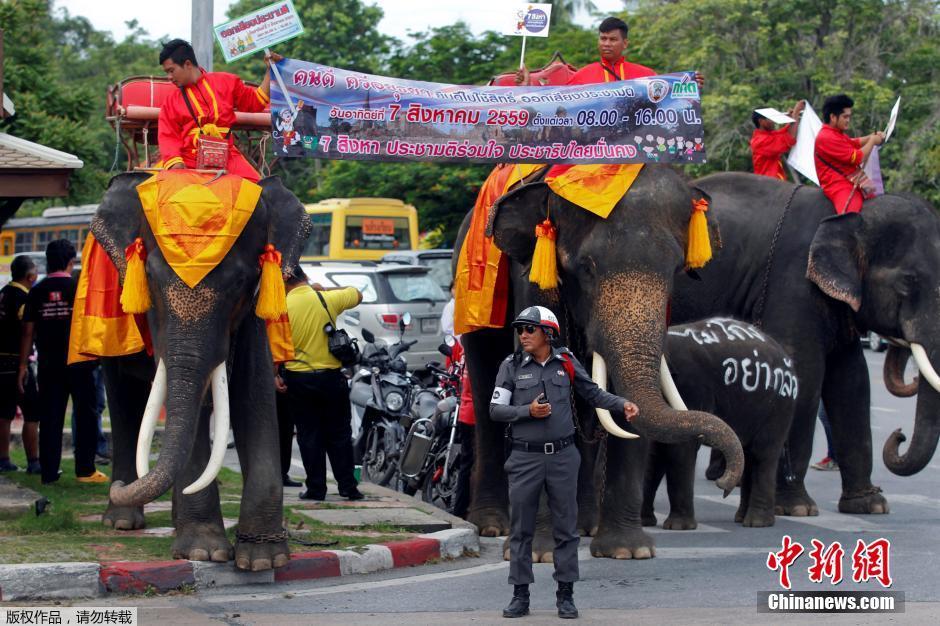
374	459
441	492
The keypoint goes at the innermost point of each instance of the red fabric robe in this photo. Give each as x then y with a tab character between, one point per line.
767	148
838	158
214	99
595	72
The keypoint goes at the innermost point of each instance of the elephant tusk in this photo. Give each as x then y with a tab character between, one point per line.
220	435
148	424
923	364
599	374
669	387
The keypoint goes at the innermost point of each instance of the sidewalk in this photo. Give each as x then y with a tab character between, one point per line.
429	534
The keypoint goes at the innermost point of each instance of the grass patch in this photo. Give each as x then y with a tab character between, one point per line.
61	535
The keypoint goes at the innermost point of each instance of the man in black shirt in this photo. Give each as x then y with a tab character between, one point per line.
12	306
48	319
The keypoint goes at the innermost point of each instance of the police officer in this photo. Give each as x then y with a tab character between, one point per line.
533	394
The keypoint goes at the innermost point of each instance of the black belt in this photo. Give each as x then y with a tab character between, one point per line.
548	447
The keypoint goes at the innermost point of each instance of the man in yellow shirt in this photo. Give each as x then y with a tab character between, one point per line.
317	392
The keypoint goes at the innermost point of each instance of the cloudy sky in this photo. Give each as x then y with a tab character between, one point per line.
172	17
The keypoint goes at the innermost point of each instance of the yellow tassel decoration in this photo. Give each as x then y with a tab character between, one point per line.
699	251
272	298
544	270
135	296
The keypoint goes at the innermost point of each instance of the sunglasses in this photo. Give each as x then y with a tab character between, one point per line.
526	329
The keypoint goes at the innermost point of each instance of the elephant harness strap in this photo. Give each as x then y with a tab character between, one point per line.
761	300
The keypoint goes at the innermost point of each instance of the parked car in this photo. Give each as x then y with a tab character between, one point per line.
389	290
438	260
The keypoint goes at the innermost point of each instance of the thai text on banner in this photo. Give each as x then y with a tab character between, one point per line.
349	115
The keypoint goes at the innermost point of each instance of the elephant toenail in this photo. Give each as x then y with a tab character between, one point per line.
281	560
220	556
243	563
198	554
260	564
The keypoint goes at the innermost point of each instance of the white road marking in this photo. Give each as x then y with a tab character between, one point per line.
883	409
915	499
365	586
839	522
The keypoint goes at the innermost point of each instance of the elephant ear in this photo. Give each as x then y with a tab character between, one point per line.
117	222
515	216
836	258
288	225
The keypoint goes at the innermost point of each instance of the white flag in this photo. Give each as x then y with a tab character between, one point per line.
801	157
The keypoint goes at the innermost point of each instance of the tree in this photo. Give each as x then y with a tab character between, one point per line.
777	51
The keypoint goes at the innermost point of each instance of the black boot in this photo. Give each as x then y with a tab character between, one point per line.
565	601
519	606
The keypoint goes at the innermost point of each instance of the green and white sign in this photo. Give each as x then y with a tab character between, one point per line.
258	30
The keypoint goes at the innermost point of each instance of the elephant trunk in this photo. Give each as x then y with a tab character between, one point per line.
185	388
895	361
926	431
630	325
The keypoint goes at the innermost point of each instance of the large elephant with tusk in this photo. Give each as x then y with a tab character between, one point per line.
211	355
616	275
814	280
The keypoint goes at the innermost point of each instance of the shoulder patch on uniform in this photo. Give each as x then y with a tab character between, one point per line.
501	396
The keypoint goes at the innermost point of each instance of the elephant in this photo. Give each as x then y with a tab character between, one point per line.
203	337
734	370
615	276
813	280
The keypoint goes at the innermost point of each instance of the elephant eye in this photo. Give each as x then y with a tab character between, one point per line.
907	283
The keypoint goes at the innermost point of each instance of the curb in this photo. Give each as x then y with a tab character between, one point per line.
89	580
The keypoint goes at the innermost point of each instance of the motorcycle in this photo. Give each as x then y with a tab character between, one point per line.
430	453
381	392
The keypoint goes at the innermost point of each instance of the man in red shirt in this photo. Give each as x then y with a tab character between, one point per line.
769	145
611	44
208	109
839	158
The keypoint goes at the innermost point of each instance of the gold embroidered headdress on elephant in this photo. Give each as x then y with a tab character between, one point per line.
204	257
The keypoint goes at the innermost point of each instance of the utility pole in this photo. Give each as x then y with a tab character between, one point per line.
202	36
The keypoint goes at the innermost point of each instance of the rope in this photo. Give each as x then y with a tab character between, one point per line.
117	145
761	301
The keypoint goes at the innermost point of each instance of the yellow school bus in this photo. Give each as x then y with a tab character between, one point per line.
360	229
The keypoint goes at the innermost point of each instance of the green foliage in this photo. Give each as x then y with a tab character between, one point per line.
775	52
772	52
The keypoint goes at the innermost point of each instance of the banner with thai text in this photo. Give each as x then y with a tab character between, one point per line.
338	114
258	30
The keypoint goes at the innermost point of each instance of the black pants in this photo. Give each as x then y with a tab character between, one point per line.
56	383
285	431
319	406
462	490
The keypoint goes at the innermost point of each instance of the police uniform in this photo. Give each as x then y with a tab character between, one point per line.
544	454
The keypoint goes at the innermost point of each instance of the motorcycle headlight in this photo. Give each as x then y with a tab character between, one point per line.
394	401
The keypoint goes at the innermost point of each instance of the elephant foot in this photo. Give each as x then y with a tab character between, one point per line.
758	518
623	543
864	501
202	542
543	548
796	504
740	513
492	521
256	557
124	517
587	523
676	521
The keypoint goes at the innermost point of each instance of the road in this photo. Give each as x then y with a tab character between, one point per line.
710	575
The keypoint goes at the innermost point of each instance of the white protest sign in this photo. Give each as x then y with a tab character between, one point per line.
894	118
801	157
258	30
775	116
529	20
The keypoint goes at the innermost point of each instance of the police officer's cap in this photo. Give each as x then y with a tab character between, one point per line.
538	316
